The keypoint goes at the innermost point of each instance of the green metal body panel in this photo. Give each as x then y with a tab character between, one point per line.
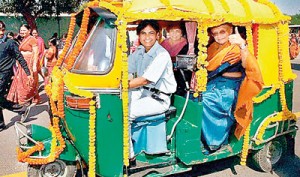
268	107
185	146
188	131
289	94
109	134
42	134
188	143
39	133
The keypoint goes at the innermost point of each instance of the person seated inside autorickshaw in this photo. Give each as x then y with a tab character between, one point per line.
234	78
153	83
177	44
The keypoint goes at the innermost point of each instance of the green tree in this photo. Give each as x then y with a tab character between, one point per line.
32	9
295	19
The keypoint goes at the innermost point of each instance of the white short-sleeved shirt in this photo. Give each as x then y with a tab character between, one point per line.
155	66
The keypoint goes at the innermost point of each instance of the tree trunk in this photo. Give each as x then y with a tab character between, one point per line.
30	19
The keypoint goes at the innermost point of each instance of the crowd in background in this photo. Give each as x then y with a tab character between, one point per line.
23	91
294	45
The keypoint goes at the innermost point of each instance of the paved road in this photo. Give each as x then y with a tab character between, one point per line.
223	168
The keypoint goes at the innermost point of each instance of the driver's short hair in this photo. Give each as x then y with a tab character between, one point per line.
143	24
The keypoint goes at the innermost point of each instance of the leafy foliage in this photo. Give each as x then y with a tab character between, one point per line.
31	9
295	19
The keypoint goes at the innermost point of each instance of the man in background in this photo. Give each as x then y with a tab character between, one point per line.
9	53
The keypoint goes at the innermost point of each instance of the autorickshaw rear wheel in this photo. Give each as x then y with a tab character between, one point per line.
58	168
271	154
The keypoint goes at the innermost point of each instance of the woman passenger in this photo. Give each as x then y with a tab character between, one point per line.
176	44
234	78
20	92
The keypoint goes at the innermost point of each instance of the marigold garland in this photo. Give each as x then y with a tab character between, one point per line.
201	74
55	90
68	40
281	116
245	148
122	36
250	38
285	114
52	104
92	139
54	152
266	95
81	39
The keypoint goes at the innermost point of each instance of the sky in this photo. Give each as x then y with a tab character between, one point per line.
289	7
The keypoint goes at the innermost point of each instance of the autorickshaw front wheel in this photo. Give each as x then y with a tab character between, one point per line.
271	154
58	168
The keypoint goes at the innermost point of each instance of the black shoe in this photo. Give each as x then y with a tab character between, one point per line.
132	162
2	127
19	109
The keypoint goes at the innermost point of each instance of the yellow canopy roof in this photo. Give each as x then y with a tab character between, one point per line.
243	11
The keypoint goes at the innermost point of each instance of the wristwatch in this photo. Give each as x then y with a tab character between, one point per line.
243	46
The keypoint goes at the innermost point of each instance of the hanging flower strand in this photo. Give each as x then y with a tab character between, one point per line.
68	40
81	39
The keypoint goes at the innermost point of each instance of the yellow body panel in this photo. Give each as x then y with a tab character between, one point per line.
110	80
268	53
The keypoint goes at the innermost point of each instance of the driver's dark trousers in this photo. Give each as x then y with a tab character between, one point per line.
5	81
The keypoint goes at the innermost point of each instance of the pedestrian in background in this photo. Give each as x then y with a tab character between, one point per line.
50	58
20	92
9	53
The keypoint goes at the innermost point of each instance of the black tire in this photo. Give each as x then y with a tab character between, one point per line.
58	168
273	152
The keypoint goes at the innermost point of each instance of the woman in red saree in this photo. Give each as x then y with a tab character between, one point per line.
20	92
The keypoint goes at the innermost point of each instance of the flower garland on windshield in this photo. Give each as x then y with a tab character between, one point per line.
68	40
81	39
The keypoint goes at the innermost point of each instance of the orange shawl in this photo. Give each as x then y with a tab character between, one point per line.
250	86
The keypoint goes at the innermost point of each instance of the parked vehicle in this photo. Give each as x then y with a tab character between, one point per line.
89	93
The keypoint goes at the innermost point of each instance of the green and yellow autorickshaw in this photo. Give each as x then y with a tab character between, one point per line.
88	93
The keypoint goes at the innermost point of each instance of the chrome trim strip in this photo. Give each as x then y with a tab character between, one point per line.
115	91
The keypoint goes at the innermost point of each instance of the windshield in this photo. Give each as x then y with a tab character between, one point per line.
70	49
97	55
